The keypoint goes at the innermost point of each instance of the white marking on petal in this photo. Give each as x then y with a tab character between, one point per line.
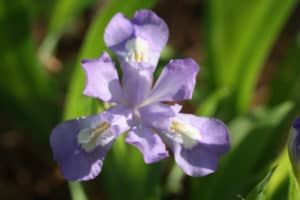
138	50
90	138
188	135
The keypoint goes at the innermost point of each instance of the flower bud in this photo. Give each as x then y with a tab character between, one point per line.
294	148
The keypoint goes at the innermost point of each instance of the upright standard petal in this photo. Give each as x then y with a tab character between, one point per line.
197	143
139	40
118	31
137	82
148	142
176	82
80	145
151	28
102	79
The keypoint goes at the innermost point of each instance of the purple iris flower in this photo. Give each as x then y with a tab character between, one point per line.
139	108
294	147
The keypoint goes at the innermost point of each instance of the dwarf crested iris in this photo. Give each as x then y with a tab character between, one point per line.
139	106
294	148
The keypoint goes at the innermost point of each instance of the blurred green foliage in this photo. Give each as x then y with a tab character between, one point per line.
239	36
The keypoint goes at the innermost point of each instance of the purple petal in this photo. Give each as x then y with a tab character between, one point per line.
149	143
102	79
294	146
176	82
121	36
198	156
151	28
212	131
296	123
76	164
157	115
118	30
199	161
120	116
75	161
137	81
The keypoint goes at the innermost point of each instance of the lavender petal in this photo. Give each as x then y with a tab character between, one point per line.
149	143
176	82
213	132
102	79
118	31
151	28
137	81
78	162
145	26
157	115
200	158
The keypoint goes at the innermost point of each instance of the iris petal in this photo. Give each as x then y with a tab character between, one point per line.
145	26
198	156
176	82
78	160
118	30
149	143
212	132
102	79
137	81
151	28
157	115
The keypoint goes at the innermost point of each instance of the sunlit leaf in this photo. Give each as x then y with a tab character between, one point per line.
240	36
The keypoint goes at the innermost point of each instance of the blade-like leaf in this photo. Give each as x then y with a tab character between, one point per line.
62	14
258	193
250	137
283	184
240	35
26	89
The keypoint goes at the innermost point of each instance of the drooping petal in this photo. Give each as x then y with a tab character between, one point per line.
197	143
176	82
102	79
137	81
199	161
139	40
80	145
212	131
148	142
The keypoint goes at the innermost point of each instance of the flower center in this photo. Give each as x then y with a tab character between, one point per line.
91	137
185	133
137	50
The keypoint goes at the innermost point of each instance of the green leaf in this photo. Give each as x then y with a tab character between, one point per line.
77	191
250	139
240	36
284	85
62	15
294	190
27	92
258	193
283	184
279	178
210	105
